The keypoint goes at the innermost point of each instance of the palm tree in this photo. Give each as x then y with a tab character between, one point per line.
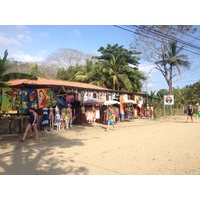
5	77
177	60
99	77
135	76
84	74
174	59
116	69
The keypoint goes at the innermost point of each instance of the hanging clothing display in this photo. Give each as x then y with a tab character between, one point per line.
45	117
6	99
16	99
41	93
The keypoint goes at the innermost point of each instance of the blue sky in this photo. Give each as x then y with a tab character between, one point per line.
36	42
35	30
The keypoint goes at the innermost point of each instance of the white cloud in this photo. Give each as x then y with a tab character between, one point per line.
9	41
147	68
24	37
21	56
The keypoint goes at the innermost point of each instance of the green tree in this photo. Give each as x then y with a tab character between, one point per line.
171	61
35	71
129	56
99	76
5	77
84	74
153	41
116	69
135	76
121	67
162	92
67	74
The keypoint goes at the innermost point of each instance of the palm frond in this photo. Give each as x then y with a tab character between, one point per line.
16	75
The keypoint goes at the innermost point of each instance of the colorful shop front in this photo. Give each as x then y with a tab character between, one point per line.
24	93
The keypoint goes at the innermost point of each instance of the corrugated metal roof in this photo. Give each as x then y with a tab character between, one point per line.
53	83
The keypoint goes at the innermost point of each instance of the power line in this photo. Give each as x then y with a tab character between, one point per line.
157	39
166	36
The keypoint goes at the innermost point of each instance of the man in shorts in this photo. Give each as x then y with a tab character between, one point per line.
111	118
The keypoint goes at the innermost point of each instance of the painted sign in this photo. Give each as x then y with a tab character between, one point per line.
168	99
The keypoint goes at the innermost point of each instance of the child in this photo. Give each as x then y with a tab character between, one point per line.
111	118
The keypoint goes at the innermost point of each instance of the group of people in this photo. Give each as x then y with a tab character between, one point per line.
190	112
62	120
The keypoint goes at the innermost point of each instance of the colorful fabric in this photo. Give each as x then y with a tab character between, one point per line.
24	100
45	121
6	99
32	93
67	113
41	93
16	99
48	97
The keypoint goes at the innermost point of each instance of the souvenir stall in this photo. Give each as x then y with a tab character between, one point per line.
139	111
129	109
125	101
51	93
48	93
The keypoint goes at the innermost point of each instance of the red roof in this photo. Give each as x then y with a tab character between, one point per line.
44	82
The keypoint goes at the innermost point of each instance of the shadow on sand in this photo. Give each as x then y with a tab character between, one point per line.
43	157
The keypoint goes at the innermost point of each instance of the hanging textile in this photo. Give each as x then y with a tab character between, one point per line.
48	97
16	99
6	99
24	100
32	93
41	93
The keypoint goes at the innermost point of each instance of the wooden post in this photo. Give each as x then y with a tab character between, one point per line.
163	108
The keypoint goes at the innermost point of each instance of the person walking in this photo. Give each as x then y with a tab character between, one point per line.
111	118
190	113
197	112
33	120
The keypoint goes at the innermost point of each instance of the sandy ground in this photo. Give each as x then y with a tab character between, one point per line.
167	146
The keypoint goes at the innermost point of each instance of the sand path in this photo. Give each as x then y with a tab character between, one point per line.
140	147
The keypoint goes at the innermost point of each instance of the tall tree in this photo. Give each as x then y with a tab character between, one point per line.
5	77
153	42
35	71
171	63
65	57
129	56
84	73
99	76
121	67
116	70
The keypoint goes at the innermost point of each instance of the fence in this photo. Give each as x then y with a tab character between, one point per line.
13	124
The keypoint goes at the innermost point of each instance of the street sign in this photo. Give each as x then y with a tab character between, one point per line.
168	99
